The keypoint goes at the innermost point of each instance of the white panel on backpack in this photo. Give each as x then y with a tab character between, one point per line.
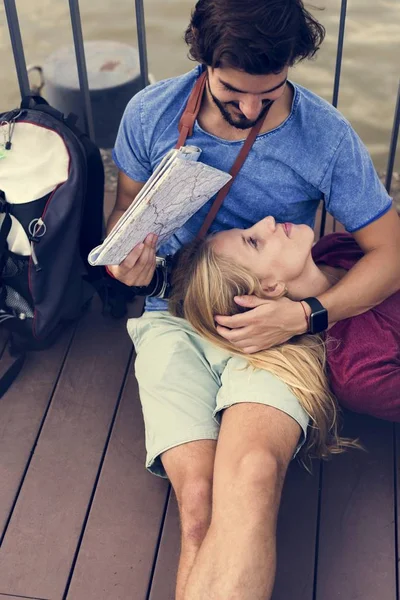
24	171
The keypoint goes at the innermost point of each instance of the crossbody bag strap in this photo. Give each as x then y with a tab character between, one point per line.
185	127
189	115
237	165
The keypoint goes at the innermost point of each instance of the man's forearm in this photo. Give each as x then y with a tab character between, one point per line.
127	192
114	218
372	279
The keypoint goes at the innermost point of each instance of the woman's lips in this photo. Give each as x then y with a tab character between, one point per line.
287	228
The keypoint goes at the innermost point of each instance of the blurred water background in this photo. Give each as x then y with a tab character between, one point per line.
371	61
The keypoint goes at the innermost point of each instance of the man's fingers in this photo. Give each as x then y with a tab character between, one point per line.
251	349
137	252
234	321
154	241
139	266
132	258
241	341
147	272
250	301
145	257
235	335
144	268
151	240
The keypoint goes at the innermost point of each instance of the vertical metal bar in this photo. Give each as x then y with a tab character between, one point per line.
335	97
393	143
323	219
81	65
141	35
339	55
17	46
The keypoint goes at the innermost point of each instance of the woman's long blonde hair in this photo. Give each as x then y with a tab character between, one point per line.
204	285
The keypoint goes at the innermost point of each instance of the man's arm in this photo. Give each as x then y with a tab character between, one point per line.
127	191
354	196
373	278
138	267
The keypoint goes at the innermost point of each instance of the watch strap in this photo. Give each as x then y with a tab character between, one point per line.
314	304
318	320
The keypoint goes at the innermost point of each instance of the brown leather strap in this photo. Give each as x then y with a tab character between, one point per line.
185	127
191	111
237	165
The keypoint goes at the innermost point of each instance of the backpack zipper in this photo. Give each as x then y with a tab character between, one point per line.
37	229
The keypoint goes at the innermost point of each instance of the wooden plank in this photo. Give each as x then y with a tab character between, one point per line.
357	539
21	412
164	580
7	597
117	553
297	533
43	534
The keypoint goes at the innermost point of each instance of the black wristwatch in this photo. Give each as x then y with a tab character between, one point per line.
318	317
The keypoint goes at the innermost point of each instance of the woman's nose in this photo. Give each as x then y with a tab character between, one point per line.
270	223
266	226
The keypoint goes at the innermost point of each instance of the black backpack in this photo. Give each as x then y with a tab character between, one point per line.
51	205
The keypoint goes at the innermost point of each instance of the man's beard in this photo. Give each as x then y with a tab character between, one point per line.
241	122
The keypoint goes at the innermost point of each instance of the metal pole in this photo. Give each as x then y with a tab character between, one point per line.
141	35
338	69
17	47
339	54
81	65
393	143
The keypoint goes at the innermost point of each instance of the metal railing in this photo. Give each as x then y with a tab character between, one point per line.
20	62
20	65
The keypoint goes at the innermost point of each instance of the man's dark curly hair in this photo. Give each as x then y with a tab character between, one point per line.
256	36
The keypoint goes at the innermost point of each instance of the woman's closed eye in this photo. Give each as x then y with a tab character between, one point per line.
252	242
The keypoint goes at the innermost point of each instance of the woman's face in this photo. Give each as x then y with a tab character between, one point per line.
271	251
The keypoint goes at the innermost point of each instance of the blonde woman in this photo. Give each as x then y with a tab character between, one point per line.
263	262
271	260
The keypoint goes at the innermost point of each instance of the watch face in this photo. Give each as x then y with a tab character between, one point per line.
319	321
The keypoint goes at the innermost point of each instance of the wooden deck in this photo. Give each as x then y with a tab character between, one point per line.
81	519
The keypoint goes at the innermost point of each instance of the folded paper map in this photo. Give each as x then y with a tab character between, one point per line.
177	189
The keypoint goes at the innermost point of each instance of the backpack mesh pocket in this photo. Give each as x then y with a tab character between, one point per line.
17	303
16	296
14	266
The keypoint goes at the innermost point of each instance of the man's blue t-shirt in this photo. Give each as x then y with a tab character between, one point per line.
314	152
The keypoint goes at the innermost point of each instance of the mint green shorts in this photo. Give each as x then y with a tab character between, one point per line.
185	383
